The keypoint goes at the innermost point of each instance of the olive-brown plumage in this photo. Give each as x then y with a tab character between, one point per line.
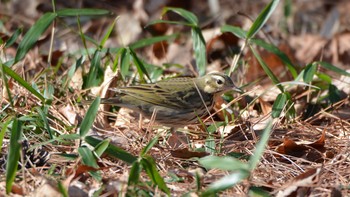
175	101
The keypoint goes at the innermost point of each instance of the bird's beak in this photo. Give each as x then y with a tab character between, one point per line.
236	89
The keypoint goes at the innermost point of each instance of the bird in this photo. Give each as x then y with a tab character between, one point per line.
176	102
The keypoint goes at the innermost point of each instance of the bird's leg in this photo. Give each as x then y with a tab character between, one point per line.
177	139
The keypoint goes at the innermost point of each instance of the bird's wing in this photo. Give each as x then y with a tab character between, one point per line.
171	95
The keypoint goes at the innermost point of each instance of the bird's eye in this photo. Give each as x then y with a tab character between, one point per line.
219	82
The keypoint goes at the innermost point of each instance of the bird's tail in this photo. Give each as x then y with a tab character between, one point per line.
106	101
110	101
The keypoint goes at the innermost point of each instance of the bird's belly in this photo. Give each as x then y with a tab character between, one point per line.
175	117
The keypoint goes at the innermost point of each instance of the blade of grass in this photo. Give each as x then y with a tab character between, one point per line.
223	163
275	50
62	189
266	69
87	157
139	65
96	73
46	122
189	16
149	146
89	118
13	38
169	22
237	31
101	147
199	48
149	165
82	12
309	72
225	182
14	154
72	70
112	150
124	62
199	45
33	34
279	105
262	18
149	41
108	33
3	131
5	81
260	147
134	174
333	68
22	82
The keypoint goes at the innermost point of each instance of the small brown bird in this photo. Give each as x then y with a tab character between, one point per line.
177	101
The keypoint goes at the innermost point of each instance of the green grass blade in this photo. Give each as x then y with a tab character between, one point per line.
101	147
46	122
260	147
22	82
309	72
5	82
13	38
266	69
139	65
87	157
149	146
258	192
72	70
149	41
334	94
62	189
333	68
150	167
124	62
199	48
169	22
279	105
96	73
82	12
275	50
237	31
134	174
112	150
33	34
108	33
14	154
324	77
189	16
262	18
226	182
3	131
210	144
89	117
223	163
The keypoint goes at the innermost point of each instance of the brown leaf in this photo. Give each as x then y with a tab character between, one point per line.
319	144
16	189
160	49
221	46
219	102
265	106
300	185
289	147
187	154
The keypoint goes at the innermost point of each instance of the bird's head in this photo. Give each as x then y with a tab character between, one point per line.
216	82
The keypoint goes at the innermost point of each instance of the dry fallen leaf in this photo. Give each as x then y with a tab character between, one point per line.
300	185
187	154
